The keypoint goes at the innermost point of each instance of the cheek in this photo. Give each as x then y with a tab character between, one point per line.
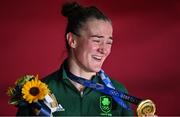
85	51
90	47
108	51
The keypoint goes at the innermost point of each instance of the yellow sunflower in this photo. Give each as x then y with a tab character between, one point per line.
34	90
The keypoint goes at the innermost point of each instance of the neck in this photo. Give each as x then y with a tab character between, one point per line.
77	70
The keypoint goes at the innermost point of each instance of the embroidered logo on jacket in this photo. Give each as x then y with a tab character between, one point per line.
106	105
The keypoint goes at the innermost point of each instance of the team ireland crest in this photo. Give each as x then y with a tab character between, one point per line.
106	104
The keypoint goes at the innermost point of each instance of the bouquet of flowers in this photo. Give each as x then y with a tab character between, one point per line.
29	90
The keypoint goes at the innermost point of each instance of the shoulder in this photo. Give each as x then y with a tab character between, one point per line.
119	86
52	77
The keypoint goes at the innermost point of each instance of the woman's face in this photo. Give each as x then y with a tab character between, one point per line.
93	44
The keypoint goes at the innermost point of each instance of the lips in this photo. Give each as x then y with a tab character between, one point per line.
97	58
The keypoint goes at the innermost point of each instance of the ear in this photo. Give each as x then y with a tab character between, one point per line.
71	40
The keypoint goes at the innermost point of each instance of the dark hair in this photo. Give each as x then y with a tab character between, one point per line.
77	15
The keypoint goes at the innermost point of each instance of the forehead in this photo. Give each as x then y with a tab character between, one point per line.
95	26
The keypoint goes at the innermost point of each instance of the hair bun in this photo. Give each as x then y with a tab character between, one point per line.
69	8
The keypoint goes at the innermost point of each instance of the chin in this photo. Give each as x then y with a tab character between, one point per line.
96	69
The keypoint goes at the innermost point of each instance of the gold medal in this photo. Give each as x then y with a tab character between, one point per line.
146	108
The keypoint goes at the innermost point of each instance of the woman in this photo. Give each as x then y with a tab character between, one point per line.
88	41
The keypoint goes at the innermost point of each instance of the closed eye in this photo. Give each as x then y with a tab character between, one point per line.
110	42
96	40
97	36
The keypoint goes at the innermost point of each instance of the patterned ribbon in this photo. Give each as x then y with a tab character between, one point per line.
109	84
43	109
47	106
108	89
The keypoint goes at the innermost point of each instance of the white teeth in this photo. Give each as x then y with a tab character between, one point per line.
97	57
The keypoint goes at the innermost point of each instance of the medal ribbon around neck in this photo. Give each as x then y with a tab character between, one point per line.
106	89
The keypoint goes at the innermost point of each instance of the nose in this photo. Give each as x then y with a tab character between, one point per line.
102	48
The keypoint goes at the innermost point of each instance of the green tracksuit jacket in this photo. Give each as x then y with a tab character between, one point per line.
86	103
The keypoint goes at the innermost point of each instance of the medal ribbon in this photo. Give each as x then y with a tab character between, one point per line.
109	84
108	89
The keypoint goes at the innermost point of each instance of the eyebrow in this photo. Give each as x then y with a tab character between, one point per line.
100	36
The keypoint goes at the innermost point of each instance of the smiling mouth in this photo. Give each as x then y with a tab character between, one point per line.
97	58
